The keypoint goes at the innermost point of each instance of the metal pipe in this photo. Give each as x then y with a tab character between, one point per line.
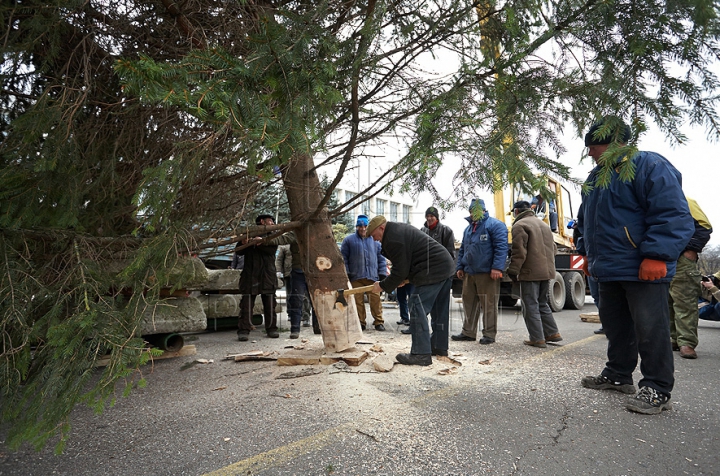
171	342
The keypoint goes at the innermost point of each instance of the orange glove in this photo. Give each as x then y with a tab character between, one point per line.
585	266
652	269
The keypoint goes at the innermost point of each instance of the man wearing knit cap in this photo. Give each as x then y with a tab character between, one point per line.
422	261
442	234
632	232
364	265
480	265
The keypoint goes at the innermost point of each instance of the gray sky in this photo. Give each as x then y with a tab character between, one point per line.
696	160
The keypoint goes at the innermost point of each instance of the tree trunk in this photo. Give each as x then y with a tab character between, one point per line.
321	259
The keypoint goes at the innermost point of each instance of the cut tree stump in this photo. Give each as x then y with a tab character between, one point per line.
339	323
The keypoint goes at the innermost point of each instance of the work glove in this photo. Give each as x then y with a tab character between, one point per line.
652	269
585	267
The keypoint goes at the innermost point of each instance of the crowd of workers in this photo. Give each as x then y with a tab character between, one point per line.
640	238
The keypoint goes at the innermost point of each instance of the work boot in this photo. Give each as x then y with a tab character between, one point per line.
403	322
414	359
406	331
486	340
554	338
601	382
535	343
649	402
461	336
273	334
242	336
599	331
295	334
687	352
379	327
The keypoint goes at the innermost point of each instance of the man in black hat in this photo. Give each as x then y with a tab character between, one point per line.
632	232
258	278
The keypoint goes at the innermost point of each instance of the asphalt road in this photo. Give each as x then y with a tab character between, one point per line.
508	409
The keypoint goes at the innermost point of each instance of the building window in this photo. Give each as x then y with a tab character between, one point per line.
380	204
406	214
393	211
366	205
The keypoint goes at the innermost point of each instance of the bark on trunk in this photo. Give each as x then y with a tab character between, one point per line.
321	259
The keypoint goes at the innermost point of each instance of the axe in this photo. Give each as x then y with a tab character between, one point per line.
341	293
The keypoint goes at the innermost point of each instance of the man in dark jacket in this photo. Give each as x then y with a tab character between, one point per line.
259	276
533	264
633	231
684	289
422	261
442	234
480	265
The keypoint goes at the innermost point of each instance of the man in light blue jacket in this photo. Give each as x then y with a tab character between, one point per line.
480	264
364	265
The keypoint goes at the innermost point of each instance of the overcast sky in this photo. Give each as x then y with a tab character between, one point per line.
696	160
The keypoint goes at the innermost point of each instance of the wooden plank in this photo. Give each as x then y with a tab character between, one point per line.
184	352
300	357
352	357
590	317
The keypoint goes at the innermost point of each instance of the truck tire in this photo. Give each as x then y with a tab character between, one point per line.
556	293
574	290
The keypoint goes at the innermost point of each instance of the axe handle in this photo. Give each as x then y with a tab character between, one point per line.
361	289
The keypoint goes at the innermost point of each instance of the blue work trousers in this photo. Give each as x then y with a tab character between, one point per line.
636	319
434	299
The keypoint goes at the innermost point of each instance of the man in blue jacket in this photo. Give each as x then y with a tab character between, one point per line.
364	265
480	264
633	231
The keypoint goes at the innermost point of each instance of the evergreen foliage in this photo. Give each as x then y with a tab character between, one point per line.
128	126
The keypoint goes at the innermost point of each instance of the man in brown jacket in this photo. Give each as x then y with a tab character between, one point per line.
533	264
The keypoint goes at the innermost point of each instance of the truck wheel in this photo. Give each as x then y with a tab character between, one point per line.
556	293
574	291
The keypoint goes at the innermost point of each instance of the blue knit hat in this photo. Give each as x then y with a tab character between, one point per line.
477	201
362	220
